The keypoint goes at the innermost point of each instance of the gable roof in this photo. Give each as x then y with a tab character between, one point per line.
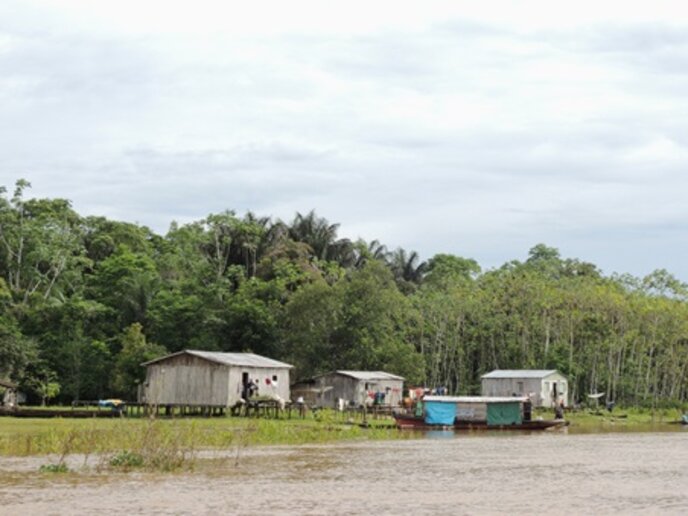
228	359
370	375
520	373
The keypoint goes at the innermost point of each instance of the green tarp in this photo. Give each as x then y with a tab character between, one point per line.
504	414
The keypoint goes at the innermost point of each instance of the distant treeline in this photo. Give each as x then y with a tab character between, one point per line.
85	300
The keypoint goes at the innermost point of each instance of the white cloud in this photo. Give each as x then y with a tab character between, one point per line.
474	128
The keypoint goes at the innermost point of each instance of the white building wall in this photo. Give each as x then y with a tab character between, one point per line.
539	389
259	375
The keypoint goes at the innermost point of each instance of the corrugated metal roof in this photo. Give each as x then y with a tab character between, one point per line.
370	375
476	399
519	373
230	359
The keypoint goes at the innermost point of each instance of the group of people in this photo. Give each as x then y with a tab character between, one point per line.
250	388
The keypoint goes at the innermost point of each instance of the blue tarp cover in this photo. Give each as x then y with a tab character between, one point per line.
440	413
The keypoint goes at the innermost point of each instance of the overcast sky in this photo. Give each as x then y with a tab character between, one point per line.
473	128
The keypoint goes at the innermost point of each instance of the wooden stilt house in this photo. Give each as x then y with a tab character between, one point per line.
212	379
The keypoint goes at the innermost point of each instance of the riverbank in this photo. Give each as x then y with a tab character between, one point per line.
630	417
25	436
63	436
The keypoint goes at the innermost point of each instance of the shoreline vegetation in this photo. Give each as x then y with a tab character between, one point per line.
171	444
31	437
85	300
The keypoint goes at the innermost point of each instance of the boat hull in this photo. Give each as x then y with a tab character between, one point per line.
407	422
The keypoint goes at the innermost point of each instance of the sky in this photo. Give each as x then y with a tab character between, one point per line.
472	128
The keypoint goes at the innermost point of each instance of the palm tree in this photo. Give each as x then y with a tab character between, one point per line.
249	234
405	266
321	237
369	251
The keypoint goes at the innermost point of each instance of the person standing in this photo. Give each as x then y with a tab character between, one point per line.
559	410
527	410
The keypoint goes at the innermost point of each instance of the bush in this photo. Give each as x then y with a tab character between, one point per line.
126	459
60	467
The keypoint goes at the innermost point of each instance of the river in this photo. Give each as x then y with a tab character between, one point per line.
555	472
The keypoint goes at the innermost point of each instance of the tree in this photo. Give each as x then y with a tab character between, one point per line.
407	268
310	320
71	339
365	252
321	237
16	350
374	329
41	246
444	268
48	388
135	350
126	282
179	320
102	237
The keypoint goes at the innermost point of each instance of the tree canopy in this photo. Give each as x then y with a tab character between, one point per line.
85	300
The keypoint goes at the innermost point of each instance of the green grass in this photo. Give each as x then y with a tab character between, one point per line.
24	437
630	417
170	444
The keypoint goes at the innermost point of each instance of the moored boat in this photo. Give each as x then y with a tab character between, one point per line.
475	413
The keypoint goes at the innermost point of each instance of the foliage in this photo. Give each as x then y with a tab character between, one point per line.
172	444
60	467
83	299
126	459
135	350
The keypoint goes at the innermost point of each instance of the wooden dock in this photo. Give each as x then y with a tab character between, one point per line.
51	413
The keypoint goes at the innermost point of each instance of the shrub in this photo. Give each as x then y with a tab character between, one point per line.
126	459
60	467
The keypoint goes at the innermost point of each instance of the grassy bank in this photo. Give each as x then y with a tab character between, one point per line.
168	444
629	418
24	437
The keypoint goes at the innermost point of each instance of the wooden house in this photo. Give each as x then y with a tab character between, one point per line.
545	388
355	388
212	379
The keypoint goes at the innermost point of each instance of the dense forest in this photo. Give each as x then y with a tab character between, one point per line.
85	300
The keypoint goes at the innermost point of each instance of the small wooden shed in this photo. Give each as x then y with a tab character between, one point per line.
211	379
546	388
354	387
9	394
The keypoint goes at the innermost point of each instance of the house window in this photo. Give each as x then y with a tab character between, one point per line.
520	387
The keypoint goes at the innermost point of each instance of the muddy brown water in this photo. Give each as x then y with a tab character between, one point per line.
437	473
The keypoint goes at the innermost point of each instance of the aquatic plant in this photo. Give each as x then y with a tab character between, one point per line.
126	459
60	467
